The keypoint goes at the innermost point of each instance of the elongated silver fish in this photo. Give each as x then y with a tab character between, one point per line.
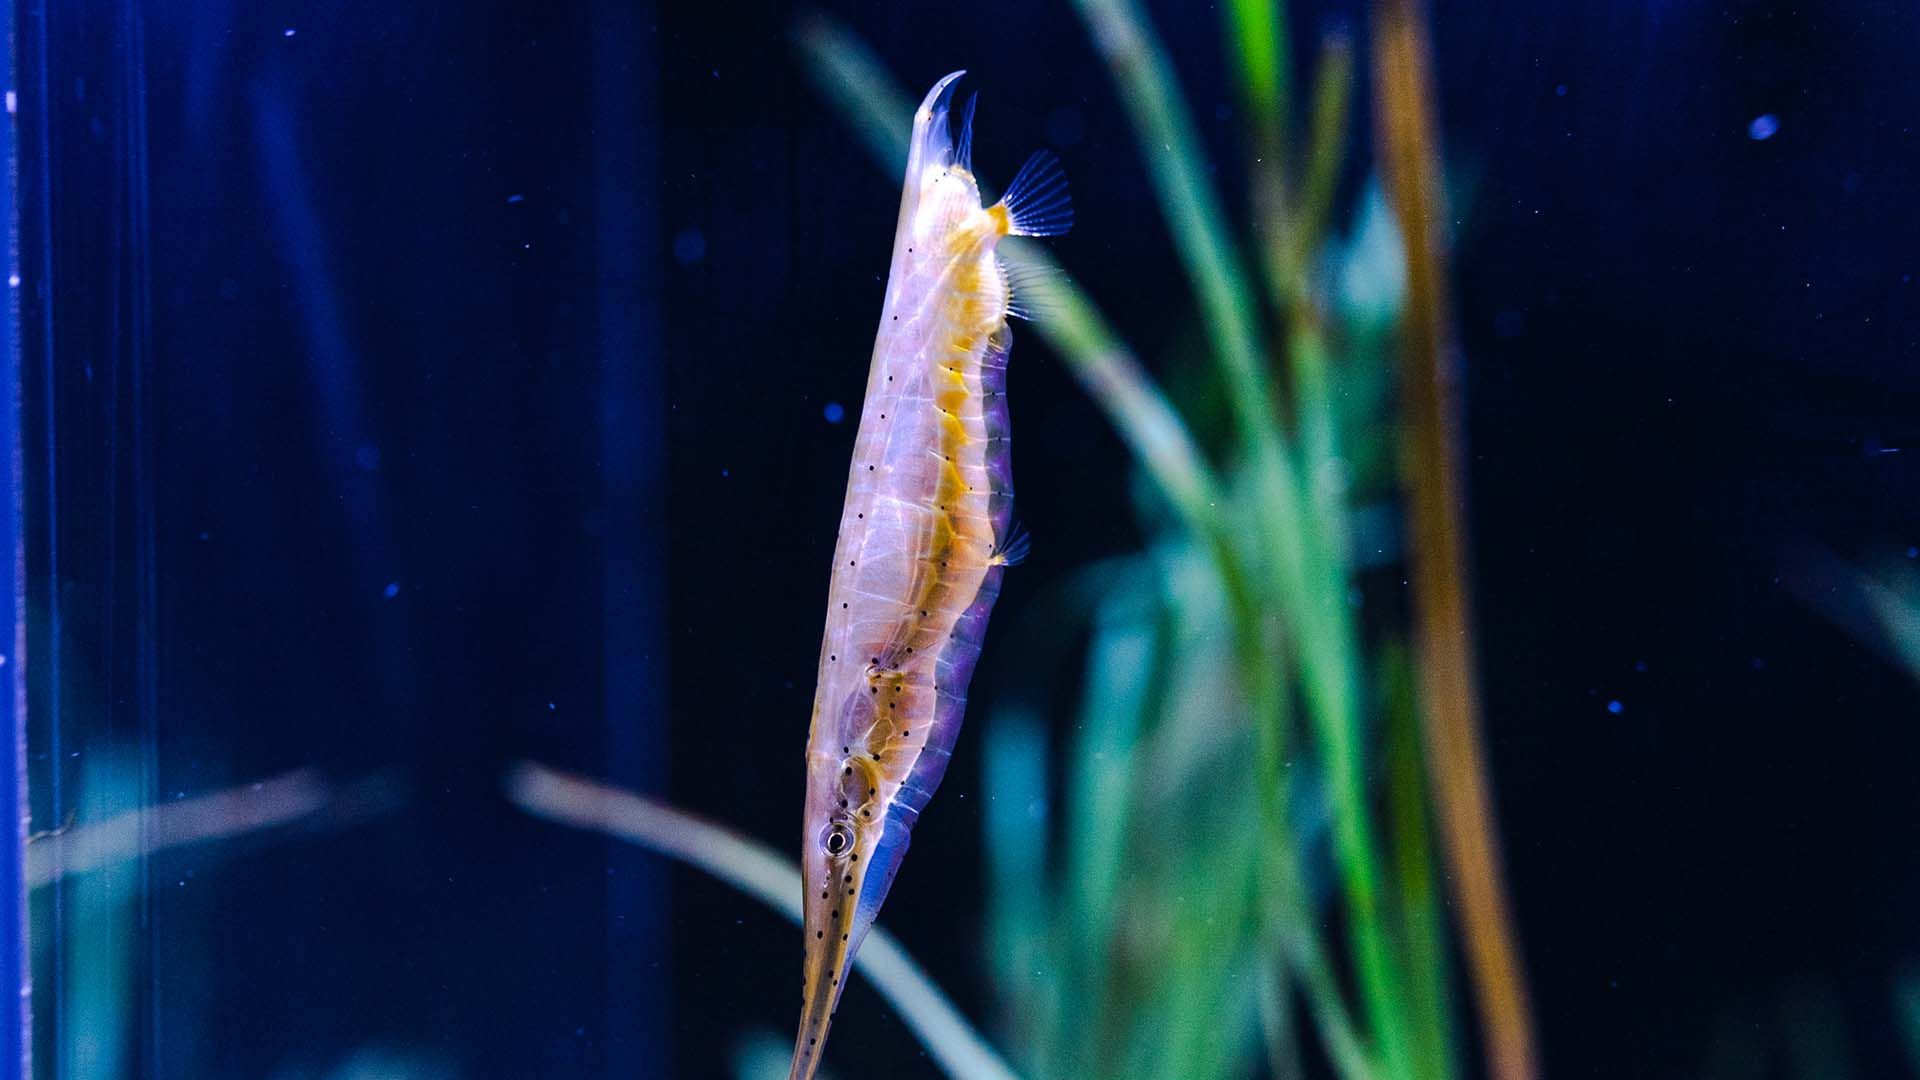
924	538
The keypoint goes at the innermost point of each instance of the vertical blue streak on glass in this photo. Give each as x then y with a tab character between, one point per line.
333	366
133	314
627	236
14	1061
37	238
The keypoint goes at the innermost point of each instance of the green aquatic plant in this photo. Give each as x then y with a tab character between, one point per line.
1879	606
1894	599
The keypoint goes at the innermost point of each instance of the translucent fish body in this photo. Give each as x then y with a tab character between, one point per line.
924	538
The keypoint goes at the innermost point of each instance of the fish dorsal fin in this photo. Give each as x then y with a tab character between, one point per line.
963	153
1036	202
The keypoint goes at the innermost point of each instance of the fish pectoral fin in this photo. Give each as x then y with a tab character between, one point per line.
1014	550
1032	289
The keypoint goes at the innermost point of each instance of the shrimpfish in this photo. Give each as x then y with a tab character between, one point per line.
924	537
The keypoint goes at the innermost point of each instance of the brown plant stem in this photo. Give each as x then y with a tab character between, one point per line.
1409	152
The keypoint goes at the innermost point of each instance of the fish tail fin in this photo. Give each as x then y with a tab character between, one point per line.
1037	203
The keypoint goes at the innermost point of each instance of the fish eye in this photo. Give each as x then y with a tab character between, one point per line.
838	839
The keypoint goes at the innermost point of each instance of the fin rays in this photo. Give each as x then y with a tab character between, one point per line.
1036	201
1014	551
1030	289
963	155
